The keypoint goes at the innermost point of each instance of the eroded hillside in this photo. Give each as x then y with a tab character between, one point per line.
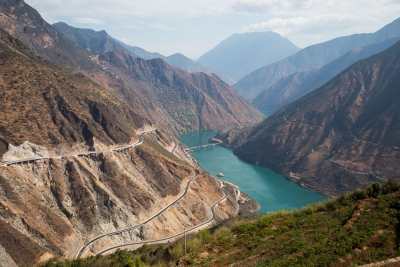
184	101
141	84
59	199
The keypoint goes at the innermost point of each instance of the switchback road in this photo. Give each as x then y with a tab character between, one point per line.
142	223
169	237
28	160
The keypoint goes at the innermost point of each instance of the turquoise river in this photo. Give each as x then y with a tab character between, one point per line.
271	190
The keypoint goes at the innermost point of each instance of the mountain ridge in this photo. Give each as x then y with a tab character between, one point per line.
296	85
312	56
53	206
333	139
120	82
102	42
189	99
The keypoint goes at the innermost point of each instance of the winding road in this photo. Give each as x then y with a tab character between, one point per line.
173	150
28	160
139	142
169	237
142	223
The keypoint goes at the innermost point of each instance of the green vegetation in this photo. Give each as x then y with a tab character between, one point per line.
356	228
161	255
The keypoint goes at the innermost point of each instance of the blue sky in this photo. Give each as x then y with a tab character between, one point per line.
192	27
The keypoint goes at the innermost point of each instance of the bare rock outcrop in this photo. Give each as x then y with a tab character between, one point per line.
25	150
54	207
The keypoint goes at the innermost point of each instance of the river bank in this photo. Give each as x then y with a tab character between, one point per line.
272	191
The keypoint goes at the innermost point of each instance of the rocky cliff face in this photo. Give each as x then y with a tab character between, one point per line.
26	24
333	138
51	207
48	105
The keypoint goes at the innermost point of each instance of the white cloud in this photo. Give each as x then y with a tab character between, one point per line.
88	21
159	26
305	25
258	6
208	22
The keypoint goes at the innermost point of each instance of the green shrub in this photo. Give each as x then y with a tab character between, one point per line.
308	210
203	235
177	251
222	231
194	245
392	185
360	194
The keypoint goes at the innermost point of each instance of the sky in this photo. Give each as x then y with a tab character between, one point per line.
193	27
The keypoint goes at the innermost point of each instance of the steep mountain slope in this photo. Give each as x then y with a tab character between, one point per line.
243	53
187	64
121	84
180	61
96	42
101	42
35	92
140	52
178	100
52	207
25	23
291	88
331	139
314	56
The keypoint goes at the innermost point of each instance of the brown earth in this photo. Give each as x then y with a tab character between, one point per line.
51	208
176	100
56	206
53	107
172	99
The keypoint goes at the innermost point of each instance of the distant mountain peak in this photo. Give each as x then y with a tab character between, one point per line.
242	53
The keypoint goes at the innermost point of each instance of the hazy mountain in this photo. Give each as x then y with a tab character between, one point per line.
291	88
96	42
123	83
180	61
331	139
314	56
243	53
178	100
51	208
140	52
101	42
